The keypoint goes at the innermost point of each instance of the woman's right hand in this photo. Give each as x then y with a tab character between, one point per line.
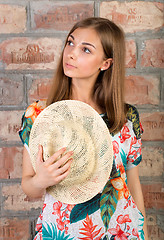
53	170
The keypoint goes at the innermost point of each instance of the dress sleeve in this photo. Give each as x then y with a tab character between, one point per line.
28	119
24	132
134	156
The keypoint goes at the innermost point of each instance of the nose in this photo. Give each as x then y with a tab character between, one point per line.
73	53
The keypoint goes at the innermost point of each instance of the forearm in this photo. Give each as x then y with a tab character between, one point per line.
136	192
30	187
139	200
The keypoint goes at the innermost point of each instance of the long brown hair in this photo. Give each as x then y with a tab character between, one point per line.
108	91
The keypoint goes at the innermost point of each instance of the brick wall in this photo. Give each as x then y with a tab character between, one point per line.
31	38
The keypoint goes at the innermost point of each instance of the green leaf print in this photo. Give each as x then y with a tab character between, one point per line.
25	132
142	236
115	173
80	211
124	158
105	238
112	237
108	203
137	161
50	232
140	226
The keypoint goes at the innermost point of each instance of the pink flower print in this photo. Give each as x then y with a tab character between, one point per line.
57	208
133	154
139	141
62	211
129	203
133	141
115	147
38	227
139	151
126	192
135	233
66	230
40	237
88	230
61	224
121	167
134	204
141	128
64	214
118	233
123	219
69	207
124	134
41	215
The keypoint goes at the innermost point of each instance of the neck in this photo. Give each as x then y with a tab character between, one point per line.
82	91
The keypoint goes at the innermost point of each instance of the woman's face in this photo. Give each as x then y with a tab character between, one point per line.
83	55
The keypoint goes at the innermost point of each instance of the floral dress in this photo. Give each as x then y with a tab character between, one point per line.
111	214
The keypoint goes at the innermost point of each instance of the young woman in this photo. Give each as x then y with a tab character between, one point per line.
91	69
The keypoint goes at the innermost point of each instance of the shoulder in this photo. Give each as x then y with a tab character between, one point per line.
133	116
34	109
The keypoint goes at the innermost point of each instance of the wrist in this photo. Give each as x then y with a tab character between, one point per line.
37	183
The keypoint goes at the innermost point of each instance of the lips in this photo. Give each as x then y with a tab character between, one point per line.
68	65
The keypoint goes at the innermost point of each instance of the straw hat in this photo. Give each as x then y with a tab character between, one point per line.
77	126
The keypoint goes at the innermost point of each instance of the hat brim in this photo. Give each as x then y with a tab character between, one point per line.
77	126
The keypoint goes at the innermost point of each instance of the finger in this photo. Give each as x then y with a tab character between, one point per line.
63	176
55	156
40	154
63	160
64	168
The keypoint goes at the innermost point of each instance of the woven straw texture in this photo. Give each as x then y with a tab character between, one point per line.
78	127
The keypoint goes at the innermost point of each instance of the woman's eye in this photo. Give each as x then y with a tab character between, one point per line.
86	50
70	43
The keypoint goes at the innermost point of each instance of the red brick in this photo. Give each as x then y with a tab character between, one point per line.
16	200
153	53
130	54
12	19
27	53
59	16
152	162
154	230
153	124
39	89
11	91
14	229
11	162
142	89
153	195
134	16
10	122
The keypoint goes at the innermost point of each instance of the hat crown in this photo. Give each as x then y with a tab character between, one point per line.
78	127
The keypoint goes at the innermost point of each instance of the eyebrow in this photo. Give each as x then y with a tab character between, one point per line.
83	43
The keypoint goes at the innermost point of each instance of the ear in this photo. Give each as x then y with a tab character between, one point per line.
106	64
